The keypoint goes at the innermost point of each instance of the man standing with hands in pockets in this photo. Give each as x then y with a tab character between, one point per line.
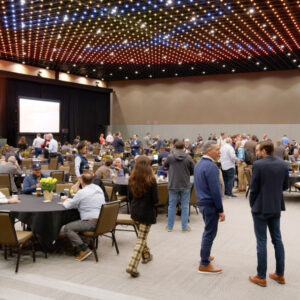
269	179
209	195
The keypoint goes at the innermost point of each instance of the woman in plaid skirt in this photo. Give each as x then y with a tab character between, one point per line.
143	195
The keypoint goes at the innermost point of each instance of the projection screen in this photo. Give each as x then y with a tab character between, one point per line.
38	115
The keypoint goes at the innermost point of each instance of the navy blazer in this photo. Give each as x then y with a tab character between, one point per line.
269	179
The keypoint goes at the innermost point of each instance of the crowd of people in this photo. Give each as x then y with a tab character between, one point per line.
177	160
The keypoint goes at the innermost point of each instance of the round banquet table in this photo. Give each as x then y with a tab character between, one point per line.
44	219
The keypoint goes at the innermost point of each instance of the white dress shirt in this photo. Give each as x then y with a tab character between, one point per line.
228	157
88	201
38	142
3	199
53	146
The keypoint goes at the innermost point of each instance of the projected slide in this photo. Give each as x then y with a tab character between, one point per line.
38	116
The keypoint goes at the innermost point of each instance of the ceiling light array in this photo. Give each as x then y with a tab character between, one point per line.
131	39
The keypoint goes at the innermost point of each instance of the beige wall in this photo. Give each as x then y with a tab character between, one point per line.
252	98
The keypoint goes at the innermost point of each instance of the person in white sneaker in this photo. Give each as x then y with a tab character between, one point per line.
88	201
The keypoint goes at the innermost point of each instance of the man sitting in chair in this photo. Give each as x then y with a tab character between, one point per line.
32	181
88	201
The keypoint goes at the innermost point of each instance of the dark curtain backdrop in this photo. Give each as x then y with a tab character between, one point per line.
82	112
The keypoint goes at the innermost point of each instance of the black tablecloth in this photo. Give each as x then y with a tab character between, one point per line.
44	219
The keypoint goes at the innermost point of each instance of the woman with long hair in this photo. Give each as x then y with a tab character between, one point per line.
143	195
22	143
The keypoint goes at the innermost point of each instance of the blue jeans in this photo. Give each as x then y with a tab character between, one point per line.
261	223
37	151
211	220
228	177
147	151
183	196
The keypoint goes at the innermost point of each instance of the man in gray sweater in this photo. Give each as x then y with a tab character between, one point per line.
181	167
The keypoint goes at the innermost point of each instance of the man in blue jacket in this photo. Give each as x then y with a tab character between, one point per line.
209	195
32	181
270	177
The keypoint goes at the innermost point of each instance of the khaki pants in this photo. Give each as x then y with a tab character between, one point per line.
242	176
141	250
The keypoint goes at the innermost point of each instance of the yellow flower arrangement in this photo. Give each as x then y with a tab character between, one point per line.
48	184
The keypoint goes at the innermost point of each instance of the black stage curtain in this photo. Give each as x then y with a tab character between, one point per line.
82	112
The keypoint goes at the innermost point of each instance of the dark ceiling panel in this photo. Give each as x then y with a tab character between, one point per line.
116	40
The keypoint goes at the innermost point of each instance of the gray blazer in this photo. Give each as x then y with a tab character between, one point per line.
12	170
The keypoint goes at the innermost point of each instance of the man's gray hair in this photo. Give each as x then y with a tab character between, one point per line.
208	146
12	159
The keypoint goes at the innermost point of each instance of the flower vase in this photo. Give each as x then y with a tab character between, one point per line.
48	196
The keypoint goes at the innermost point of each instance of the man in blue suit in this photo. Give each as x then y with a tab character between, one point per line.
135	145
269	179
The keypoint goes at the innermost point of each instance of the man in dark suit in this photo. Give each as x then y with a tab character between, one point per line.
269	180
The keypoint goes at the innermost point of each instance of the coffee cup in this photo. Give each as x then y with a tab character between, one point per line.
14	197
38	191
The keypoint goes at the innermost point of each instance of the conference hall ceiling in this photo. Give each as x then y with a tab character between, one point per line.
121	40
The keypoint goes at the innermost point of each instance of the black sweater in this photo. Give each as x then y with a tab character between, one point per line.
143	208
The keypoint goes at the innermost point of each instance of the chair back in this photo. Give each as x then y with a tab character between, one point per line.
248	175
45	167
107	218
59	175
59	188
96	151
5	191
64	168
5	181
155	168
96	166
7	233
26	163
163	194
72	169
109	190
53	163
193	199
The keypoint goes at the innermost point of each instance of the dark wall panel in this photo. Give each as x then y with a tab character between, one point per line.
83	112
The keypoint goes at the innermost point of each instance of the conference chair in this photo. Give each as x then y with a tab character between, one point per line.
64	168
9	237
106	224
59	188
45	167
109	190
163	196
248	178
125	220
26	163
5	181
53	163
96	151
193	200
59	175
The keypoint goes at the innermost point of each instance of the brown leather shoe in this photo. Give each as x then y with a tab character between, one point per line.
279	279
257	280
209	269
